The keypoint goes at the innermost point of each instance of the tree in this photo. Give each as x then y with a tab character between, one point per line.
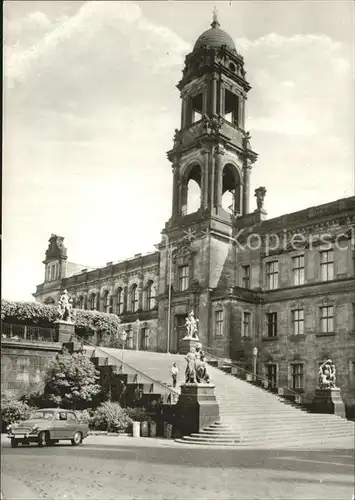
71	381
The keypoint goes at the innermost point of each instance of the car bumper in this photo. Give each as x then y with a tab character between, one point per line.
26	438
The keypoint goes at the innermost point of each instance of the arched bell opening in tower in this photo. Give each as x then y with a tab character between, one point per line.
231	188
191	190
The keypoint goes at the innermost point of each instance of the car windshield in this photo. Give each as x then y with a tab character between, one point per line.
46	415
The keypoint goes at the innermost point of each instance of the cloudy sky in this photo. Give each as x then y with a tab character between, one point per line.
90	108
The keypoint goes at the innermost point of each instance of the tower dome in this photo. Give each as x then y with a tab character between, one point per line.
215	37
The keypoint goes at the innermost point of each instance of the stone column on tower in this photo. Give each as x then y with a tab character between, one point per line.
219	152
246	188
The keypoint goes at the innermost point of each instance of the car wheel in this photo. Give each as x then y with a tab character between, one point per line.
14	443
77	439
42	439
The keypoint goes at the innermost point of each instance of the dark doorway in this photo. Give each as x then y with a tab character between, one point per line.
180	331
271	374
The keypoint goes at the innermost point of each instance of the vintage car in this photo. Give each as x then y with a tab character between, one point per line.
47	427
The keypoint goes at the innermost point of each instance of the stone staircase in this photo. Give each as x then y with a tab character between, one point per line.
249	415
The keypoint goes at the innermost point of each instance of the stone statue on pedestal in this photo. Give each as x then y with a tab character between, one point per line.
65	307
327	372
260	193
191	326
196	371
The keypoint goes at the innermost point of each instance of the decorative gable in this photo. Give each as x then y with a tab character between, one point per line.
56	248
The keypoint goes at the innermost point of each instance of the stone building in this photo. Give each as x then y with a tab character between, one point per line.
284	286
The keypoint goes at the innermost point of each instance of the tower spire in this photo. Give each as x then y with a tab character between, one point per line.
215	23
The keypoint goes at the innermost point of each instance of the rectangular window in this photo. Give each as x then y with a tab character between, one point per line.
327	319
144	338
197	108
298	270
246	331
298	322
246	276
327	265
219	323
183	277
271	324
272	275
231	107
297	376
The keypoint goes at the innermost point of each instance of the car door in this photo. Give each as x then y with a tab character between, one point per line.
61	425
72	424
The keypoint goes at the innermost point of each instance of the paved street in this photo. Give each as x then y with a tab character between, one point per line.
127	468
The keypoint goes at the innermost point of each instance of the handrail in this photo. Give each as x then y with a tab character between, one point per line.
172	391
256	376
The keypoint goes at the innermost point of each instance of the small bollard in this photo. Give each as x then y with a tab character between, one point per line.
136	429
153	429
169	431
144	429
165	429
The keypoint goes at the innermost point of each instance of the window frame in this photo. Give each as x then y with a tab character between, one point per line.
297	376
219	322
134	298
271	324
246	332
183	279
327	319
298	270
326	265
272	275
246	276
297	322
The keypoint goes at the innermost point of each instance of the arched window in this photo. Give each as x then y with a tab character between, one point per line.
231	199
92	302
191	190
134	298
106	302
150	295
120	301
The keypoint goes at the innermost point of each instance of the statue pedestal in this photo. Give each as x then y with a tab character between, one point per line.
329	401
196	408
186	343
64	331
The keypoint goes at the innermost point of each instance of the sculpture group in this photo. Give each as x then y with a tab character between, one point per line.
196	371
65	307
327	373
191	325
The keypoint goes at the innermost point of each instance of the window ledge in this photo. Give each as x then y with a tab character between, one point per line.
270	338
300	336
246	337
328	334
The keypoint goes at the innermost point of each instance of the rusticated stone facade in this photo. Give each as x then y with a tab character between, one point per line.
284	286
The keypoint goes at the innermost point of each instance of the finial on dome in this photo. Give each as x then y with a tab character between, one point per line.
215	22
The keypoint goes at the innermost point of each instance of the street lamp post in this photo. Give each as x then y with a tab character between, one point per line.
255	355
137	333
170	249
123	338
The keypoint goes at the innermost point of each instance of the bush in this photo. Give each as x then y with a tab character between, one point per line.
84	416
72	380
13	410
37	314
110	417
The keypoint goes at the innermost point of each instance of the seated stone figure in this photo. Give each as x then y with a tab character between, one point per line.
327	375
190	373
200	366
